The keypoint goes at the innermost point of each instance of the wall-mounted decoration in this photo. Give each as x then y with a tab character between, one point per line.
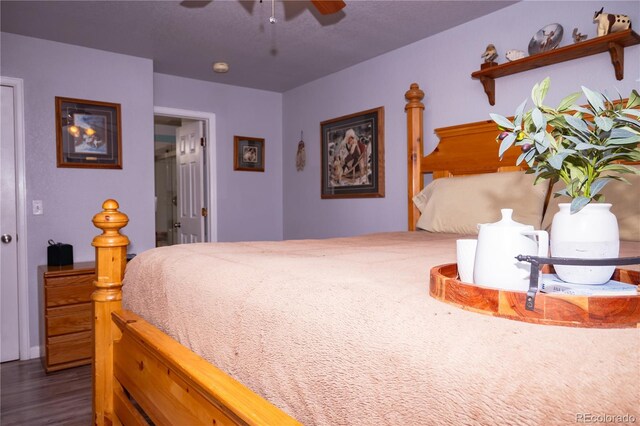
610	23
301	156
578	36
248	154
88	134
353	155
514	55
490	54
548	38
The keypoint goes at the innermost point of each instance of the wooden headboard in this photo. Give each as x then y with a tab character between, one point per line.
463	149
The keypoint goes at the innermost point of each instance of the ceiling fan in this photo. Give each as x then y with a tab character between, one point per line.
324	7
327	7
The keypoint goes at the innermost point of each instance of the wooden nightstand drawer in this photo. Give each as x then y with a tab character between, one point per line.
78	292
68	319
66	314
69	347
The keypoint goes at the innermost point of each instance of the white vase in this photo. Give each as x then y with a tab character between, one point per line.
591	233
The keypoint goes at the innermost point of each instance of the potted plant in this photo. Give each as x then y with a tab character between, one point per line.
582	147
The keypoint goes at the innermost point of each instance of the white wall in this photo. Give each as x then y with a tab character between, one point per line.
281	201
72	196
249	204
442	65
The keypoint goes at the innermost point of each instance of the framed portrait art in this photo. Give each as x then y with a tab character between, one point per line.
248	154
353	155
88	134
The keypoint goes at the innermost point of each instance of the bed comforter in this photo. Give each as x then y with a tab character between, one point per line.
343	331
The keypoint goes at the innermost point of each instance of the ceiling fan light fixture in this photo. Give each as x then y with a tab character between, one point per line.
221	67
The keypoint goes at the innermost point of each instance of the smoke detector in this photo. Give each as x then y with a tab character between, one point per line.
221	67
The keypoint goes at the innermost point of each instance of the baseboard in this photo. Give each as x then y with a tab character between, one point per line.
34	352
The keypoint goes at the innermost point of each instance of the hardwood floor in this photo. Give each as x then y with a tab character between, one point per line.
29	396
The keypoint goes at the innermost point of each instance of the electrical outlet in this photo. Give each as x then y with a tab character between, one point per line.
37	207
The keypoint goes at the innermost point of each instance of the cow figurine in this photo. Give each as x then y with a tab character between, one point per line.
609	23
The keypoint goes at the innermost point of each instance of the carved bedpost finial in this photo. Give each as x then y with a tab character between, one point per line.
111	259
414	95
110	221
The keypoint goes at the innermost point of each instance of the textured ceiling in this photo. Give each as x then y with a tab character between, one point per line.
185	38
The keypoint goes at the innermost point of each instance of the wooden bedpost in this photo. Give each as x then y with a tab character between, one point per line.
414	109
111	259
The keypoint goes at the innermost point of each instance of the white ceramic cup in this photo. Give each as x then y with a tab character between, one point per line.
466	256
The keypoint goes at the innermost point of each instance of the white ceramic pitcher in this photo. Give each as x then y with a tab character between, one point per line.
498	245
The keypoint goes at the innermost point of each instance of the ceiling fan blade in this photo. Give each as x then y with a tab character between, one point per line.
327	7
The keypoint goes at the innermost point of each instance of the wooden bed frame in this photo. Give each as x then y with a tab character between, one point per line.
141	374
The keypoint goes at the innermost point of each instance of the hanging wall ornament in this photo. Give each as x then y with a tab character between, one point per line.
300	155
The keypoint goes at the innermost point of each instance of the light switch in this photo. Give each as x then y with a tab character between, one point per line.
37	207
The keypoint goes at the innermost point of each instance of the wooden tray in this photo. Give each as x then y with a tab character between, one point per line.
572	311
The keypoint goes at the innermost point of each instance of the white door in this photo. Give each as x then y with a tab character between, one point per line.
191	202
10	343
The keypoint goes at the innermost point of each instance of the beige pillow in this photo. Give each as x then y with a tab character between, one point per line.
458	204
625	200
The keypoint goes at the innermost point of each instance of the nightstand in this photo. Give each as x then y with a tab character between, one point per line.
65	315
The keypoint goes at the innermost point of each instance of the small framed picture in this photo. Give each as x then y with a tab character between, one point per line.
248	154
88	134
353	155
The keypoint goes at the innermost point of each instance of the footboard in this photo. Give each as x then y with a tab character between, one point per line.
141	376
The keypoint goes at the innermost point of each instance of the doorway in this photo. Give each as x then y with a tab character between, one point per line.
15	342
184	153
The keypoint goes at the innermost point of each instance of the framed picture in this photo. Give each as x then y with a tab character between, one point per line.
88	134
248	154
353	155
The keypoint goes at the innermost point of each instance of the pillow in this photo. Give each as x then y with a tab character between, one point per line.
625	200
458	204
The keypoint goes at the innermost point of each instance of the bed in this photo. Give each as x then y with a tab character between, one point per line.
349	335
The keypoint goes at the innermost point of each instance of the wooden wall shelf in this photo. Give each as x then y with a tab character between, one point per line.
613	43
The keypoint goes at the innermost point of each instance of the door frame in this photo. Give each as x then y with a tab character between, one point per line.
21	218
209	175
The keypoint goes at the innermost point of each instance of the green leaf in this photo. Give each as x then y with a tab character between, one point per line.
556	161
538	119
624	141
604	123
576	139
576	123
583	146
629	121
620	168
502	121
549	139
567	102
578	203
519	114
634	100
623	132
539	91
520	158
581	109
595	99
506	144
544	88
597	185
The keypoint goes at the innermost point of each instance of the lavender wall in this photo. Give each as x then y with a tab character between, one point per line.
249	204
72	196
442	65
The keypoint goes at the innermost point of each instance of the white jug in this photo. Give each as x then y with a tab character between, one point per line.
498	245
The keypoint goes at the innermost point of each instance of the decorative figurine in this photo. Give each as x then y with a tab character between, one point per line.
300	155
513	55
577	37
490	54
609	23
